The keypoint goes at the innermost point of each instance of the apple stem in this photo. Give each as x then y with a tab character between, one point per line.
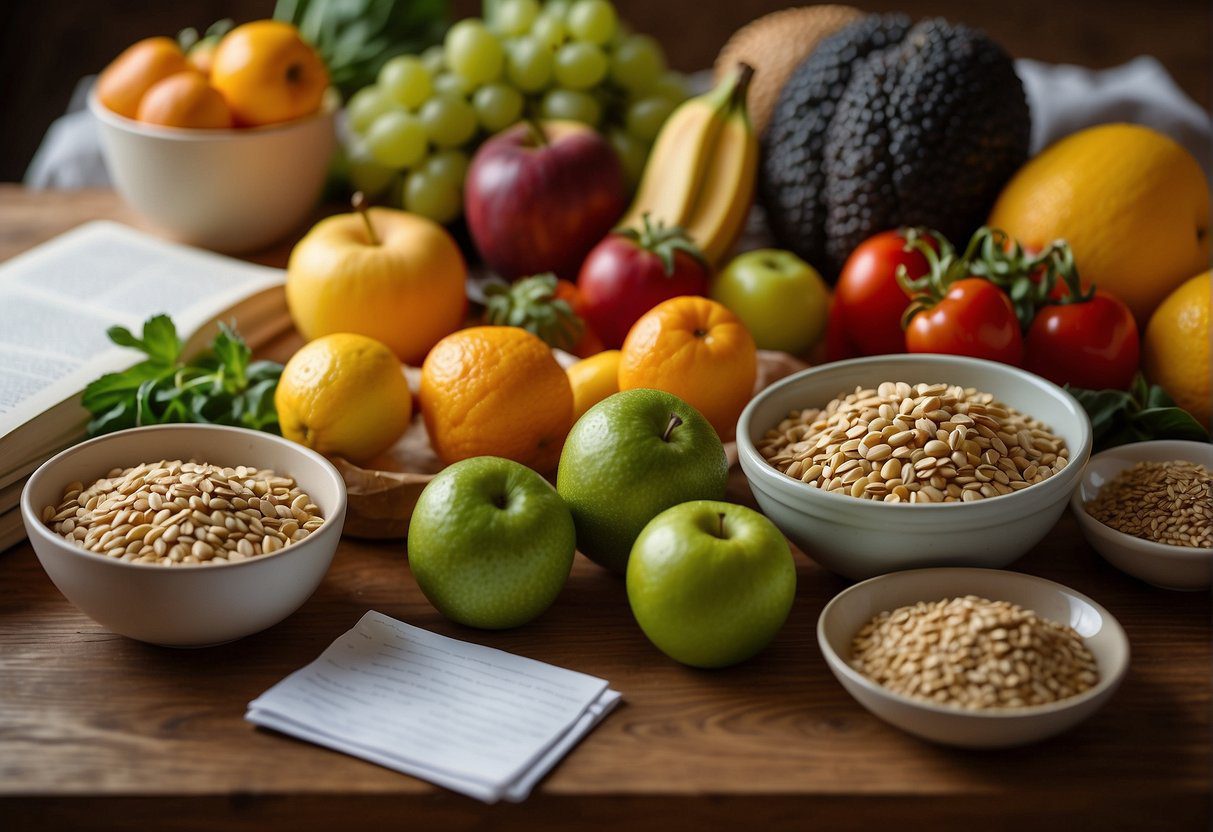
674	422
536	130
720	533
360	205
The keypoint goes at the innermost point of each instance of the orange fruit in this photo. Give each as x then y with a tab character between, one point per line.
594	379
185	99
268	74
496	391
122	84
698	350
202	56
1132	203
1176	350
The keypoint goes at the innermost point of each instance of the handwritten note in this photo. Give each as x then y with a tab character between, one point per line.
477	720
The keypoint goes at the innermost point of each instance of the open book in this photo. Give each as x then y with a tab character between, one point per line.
58	300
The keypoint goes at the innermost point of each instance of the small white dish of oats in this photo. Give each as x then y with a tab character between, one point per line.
1147	508
975	658
185	535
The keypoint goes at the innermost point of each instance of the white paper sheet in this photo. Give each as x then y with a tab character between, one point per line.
477	720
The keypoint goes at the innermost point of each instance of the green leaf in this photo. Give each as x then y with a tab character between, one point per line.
1169	423
123	337
160	340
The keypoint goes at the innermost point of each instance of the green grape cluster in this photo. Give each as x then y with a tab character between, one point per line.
411	133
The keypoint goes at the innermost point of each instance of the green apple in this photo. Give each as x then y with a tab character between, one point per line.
629	458
711	583
490	543
780	298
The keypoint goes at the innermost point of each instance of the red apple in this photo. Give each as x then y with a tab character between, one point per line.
538	196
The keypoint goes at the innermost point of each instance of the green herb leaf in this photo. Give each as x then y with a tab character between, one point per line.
1142	413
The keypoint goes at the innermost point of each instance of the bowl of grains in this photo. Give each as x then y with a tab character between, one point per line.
1147	508
978	658
185	535
905	461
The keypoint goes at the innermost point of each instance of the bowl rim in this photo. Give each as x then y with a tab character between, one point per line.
748	452
193	134
1105	685
33	518
1087	520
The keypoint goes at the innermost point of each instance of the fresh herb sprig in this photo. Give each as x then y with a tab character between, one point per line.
224	386
1141	413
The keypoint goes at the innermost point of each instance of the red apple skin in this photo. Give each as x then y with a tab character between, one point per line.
535	208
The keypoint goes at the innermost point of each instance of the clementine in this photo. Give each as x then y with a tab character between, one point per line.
496	391
268	74
185	99
122	85
698	350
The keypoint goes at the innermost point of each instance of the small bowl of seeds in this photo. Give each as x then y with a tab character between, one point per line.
908	461
185	535
1147	508
977	658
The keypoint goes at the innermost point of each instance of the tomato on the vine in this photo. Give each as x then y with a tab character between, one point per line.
1087	343
868	304
973	318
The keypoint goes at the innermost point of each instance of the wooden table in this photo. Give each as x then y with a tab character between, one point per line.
100	731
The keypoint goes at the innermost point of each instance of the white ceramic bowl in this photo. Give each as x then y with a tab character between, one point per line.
188	605
1169	567
227	190
861	538
854	607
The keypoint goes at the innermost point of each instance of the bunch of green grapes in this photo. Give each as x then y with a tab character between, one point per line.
412	132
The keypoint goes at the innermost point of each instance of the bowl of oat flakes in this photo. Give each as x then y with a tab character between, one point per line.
1147	508
906	461
185	535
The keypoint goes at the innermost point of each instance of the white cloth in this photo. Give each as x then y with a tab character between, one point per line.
1063	100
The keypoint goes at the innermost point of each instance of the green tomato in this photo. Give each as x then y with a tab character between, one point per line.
780	298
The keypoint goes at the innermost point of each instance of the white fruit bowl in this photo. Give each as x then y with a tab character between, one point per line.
1160	564
227	190
861	538
853	608
187	605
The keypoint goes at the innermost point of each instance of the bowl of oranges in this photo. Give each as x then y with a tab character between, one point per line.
225	147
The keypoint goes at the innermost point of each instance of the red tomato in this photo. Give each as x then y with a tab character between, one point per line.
865	317
626	275
1091	344
974	318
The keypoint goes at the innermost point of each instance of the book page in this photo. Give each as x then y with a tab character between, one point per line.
439	704
58	300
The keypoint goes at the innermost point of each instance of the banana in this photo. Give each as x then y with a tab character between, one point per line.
701	171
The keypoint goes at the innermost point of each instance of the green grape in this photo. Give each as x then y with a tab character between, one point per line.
448	83
632	153
406	80
434	58
671	85
497	106
514	17
396	139
571	104
432	197
579	66
448	165
449	121
369	176
365	106
473	52
548	29
528	64
645	117
637	63
593	21
558	9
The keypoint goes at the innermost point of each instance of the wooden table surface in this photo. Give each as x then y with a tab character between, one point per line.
99	731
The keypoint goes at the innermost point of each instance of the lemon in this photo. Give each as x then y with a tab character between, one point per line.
593	379
1132	203
344	395
1177	346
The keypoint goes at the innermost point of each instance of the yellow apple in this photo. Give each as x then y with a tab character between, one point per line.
390	275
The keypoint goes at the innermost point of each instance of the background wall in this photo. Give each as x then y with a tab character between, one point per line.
47	45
